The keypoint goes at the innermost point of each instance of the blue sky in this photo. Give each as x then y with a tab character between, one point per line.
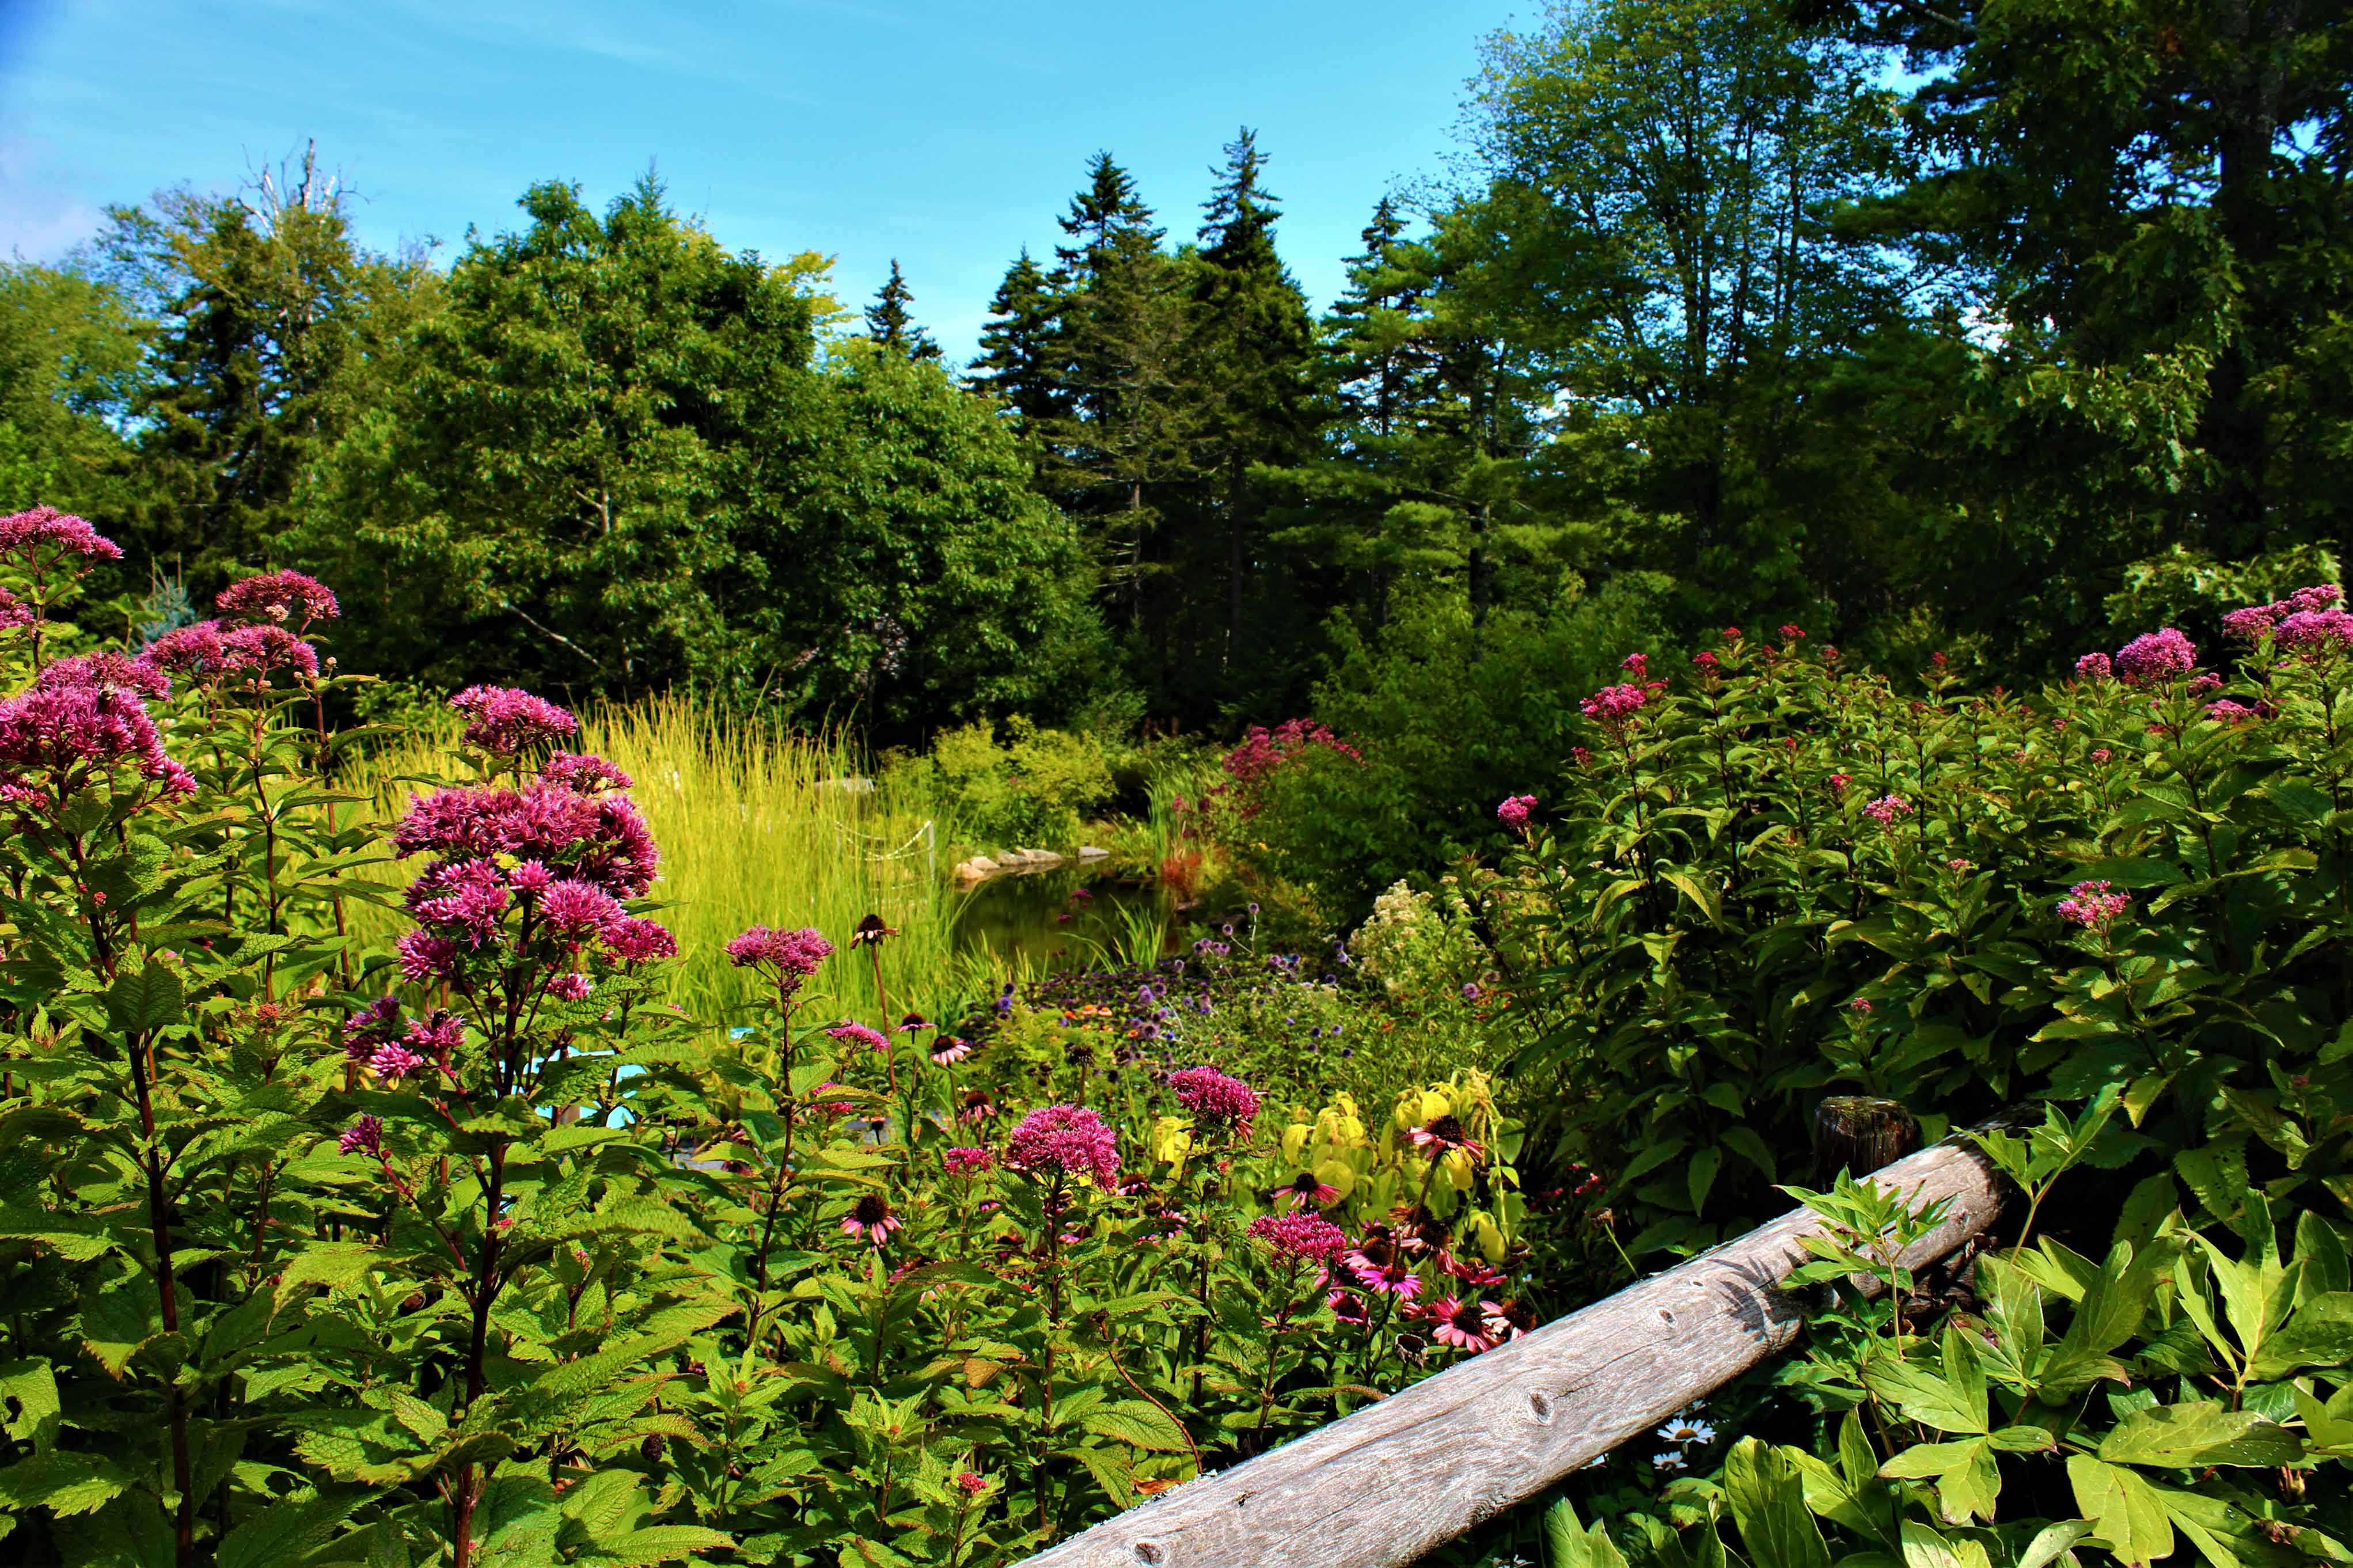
945	132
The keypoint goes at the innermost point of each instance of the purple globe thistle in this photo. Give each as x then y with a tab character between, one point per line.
1310	1239
1514	812
505	720
44	535
2154	657
279	597
96	669
1217	1100
1066	1141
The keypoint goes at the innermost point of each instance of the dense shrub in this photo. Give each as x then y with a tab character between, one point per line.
1033	788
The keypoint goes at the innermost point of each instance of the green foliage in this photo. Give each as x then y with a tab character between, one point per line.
70	370
1033	789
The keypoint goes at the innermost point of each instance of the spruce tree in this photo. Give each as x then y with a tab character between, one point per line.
890	323
1251	348
1020	360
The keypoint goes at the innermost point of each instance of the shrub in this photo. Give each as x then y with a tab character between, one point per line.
1033	789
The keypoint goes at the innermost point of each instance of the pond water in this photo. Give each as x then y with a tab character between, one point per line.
1076	915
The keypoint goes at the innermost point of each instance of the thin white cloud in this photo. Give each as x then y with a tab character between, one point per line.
38	222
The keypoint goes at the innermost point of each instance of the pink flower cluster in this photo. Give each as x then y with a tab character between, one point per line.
559	862
1514	813
1217	1099
1067	1140
254	652
583	774
1310	1239
1888	808
376	1038
858	1034
2255	622
2094	906
789	957
2153	657
506	720
2093	667
279	597
968	1162
1613	706
52	738
97	670
1263	751
31	534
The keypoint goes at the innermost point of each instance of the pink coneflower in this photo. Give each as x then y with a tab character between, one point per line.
858	1034
1065	1140
968	1162
1380	1266
1888	808
506	720
872	932
1349	1308
2094	906
1462	1324
1306	1190
1475	1272
1217	1099
913	1023
364	1136
1509	1321
279	597
1514	813
1443	1135
976	1106
870	1217
950	1051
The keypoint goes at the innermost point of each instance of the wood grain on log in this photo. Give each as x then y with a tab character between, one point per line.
1395	1480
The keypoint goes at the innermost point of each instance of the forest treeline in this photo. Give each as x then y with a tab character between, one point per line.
1978	326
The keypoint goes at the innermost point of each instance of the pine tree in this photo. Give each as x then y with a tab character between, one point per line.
1021	348
890	323
1105	220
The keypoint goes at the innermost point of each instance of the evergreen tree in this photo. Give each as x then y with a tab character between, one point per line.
1021	358
1105	219
1249	352
892	325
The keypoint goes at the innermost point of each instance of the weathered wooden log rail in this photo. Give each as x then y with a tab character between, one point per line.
1413	1471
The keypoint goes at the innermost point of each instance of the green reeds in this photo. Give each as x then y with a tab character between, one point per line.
757	827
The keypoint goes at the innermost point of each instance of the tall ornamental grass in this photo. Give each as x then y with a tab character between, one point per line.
756	826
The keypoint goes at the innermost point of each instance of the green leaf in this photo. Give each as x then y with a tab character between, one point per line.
1967	1479
2319	1334
61	1481
2182	1436
1769	1501
1567	1545
280	1532
1139	1424
143	1001
2050	1540
1701	1173
2127	1514
1947	1404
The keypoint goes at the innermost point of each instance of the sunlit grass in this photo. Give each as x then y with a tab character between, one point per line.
757	827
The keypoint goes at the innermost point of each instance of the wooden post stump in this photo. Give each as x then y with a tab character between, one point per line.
1859	1134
